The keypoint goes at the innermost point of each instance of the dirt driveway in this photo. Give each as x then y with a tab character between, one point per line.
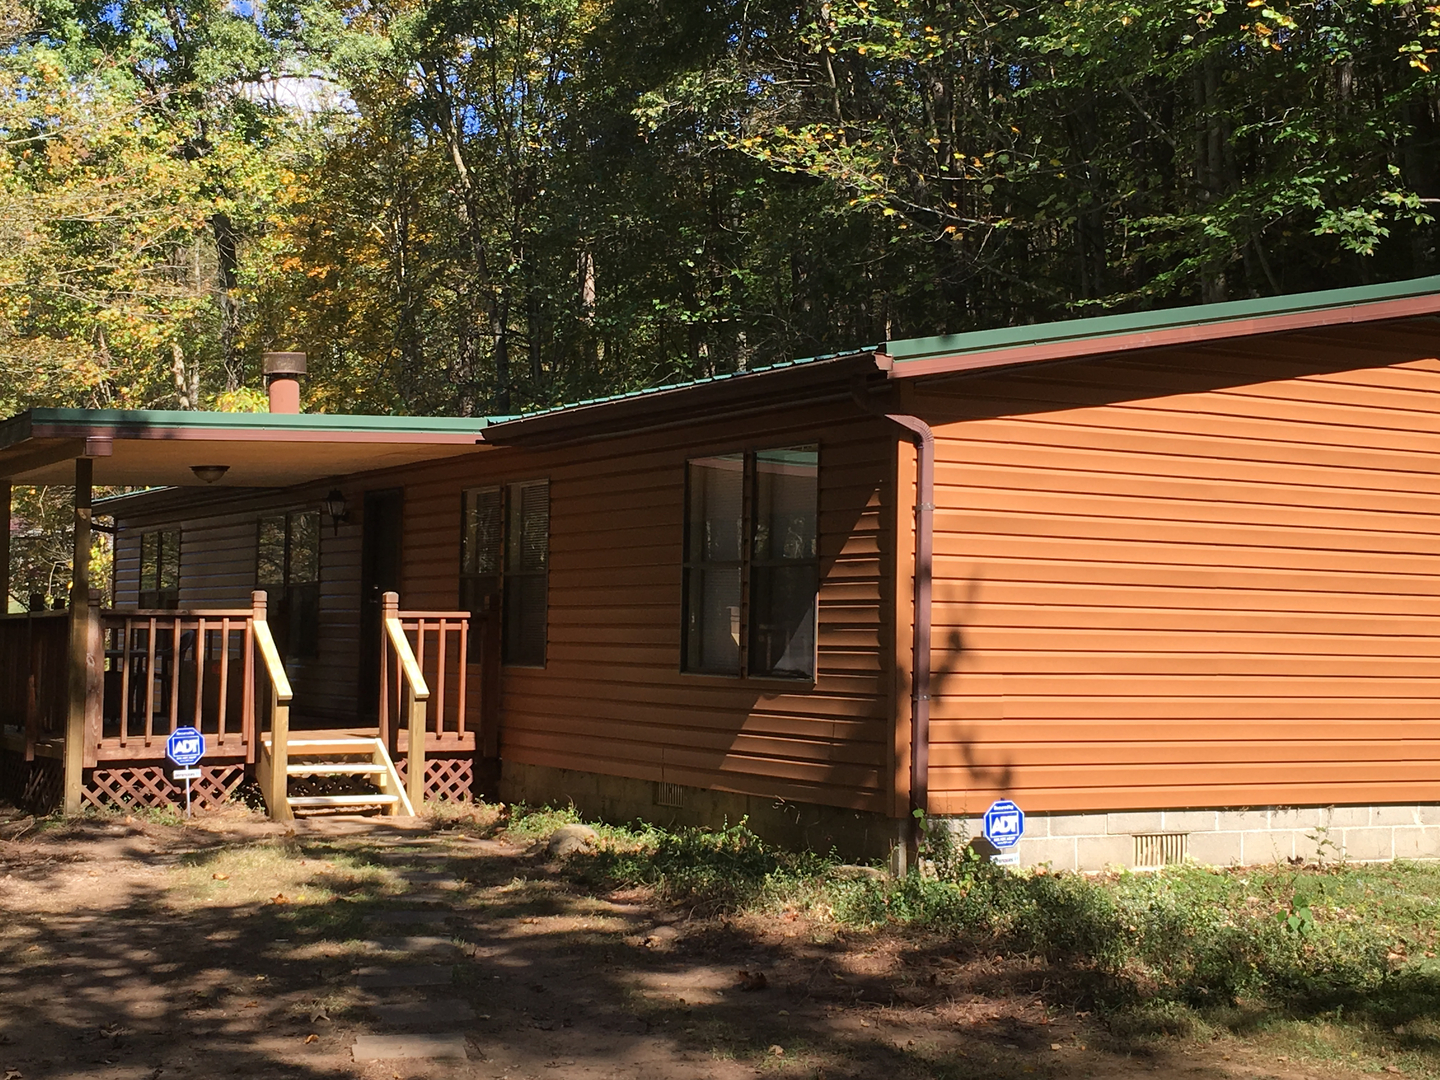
134	951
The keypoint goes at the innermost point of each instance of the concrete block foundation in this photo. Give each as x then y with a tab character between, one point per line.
1228	837
1080	841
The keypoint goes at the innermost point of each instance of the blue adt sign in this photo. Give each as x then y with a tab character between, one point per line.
1004	824
185	746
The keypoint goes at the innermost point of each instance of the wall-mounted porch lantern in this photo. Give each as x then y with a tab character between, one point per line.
335	507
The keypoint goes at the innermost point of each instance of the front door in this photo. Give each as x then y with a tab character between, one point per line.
379	574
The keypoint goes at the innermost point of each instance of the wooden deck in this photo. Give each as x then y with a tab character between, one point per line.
150	672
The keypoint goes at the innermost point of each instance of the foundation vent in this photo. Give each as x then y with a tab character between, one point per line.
1160	849
669	794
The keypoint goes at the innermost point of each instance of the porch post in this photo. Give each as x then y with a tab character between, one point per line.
79	678
5	510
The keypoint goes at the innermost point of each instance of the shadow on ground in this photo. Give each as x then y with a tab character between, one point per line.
132	950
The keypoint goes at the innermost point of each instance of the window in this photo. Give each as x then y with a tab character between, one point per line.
505	559
752	568
482	552
715	544
160	570
287	567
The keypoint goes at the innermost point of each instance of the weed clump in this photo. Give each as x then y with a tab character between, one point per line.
724	868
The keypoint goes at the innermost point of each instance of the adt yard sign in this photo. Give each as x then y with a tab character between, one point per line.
1004	824
185	746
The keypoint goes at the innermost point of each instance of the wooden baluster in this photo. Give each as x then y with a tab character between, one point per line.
197	651
438	694
175	672
464	674
126	628
224	678
247	691
150	683
415	754
420	645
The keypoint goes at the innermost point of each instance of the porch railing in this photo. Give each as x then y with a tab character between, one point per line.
439	642
34	669
424	684
169	669
151	671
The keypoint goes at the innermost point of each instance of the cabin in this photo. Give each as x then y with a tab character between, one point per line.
1168	581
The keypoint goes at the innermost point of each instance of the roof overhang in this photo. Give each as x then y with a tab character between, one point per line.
160	448
1198	324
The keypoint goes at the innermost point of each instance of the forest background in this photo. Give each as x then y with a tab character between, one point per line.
469	207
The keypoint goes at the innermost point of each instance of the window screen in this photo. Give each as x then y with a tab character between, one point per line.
160	570
526	578
784	567
287	567
482	550
714	548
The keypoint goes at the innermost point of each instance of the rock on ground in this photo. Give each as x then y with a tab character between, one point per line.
568	839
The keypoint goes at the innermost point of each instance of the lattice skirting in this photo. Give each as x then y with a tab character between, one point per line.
37	786
447	779
148	785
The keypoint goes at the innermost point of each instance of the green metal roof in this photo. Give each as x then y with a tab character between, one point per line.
1195	315
259	421
686	384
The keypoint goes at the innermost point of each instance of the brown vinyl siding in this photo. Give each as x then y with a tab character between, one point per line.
1190	578
611	697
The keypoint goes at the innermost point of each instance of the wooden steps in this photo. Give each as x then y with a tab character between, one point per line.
336	768
359	756
298	802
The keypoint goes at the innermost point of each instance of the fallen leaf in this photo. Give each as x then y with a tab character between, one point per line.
221	877
279	898
1054	1046
251	1005
778	1051
752	980
312	1038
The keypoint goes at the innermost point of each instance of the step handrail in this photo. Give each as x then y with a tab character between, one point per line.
416	694
276	785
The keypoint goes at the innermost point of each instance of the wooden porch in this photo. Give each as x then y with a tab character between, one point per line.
124	679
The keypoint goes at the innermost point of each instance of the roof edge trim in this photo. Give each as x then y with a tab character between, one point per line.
1188	325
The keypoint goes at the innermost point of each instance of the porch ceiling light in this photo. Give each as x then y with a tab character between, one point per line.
209	473
335	507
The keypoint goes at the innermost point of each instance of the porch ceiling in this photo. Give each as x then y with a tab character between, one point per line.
155	448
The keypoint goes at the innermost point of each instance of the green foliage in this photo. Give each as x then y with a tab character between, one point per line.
243	399
725	867
467	208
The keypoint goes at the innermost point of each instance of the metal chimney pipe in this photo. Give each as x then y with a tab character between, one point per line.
282	380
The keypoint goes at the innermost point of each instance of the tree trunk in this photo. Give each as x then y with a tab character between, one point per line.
228	257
